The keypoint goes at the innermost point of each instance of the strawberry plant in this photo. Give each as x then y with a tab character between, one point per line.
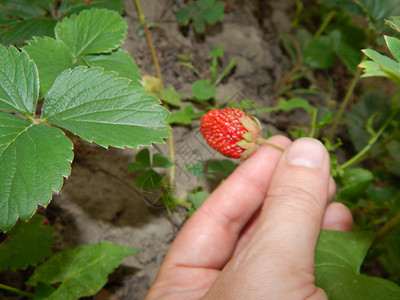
77	76
21	20
92	103
201	13
28	244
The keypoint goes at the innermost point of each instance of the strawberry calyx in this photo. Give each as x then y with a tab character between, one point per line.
250	139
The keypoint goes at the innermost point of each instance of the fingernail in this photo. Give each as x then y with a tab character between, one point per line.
306	152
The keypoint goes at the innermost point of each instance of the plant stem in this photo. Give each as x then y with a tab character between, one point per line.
345	102
386	230
325	23
158	72
149	41
356	158
264	141
313	123
14	290
385	142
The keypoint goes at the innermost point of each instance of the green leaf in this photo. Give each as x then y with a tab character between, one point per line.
320	52
118	61
394	47
171	96
212	11
135	166
19	84
224	166
382	60
76	6
51	57
350	55
27	244
161	161
82	271
348	6
182	16
199	23
28	153
197	199
294	103
202	90
22	19
391	253
185	116
370	104
142	161
354	182
143	157
101	108
372	69
92	31
43	291
197	170
217	51
394	22
149	179
337	268
290	104
25	29
20	9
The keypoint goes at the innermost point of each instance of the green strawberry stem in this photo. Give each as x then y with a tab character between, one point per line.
264	141
15	290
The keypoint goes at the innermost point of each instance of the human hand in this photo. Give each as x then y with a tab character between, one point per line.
255	236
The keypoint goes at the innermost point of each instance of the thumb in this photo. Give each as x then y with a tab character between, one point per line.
278	260
296	201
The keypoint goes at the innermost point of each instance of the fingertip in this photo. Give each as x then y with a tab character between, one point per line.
337	217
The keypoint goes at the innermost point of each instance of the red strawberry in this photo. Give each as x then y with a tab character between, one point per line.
230	131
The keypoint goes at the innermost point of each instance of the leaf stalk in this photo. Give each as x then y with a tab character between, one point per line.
15	290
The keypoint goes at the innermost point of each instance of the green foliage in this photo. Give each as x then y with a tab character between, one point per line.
80	271
170	96
338	258
149	178
21	20
84	39
197	170
287	105
366	116
224	167
27	244
92	103
381	65
200	13
354	181
202	90
196	199
102	108
185	116
343	42
375	11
